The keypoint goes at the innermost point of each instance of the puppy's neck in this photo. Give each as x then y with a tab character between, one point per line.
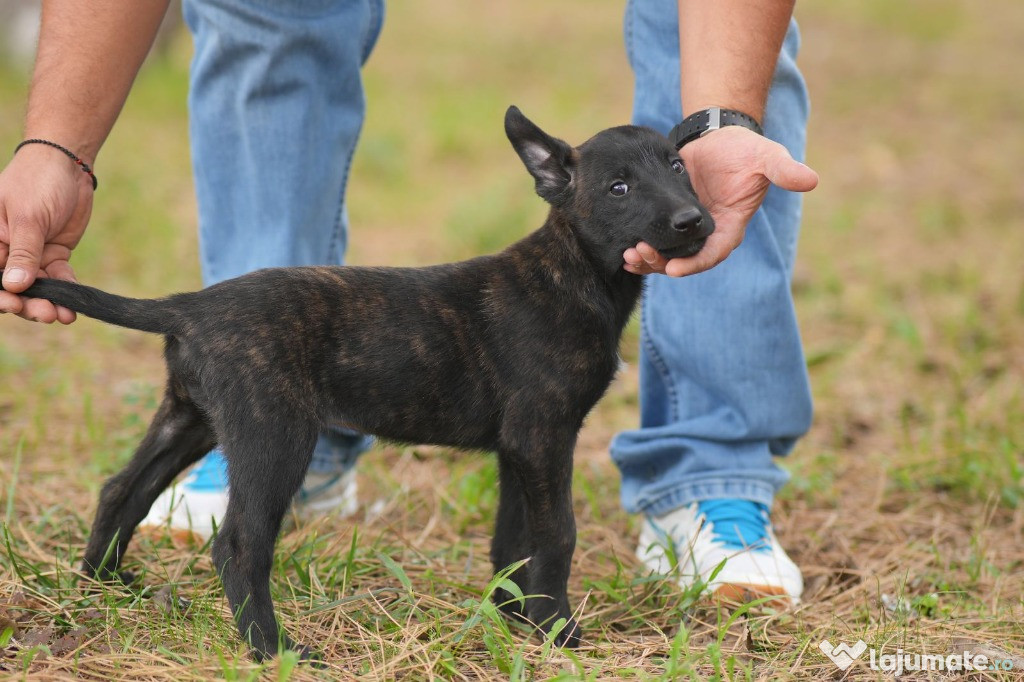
556	252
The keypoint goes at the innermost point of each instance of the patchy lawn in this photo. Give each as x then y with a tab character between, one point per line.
906	508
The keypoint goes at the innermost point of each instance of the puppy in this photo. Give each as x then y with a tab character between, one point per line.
505	353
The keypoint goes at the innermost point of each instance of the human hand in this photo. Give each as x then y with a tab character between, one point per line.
731	170
45	204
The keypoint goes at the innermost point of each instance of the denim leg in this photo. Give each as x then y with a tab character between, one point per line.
276	105
723	381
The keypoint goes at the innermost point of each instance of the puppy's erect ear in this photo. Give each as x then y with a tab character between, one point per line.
551	162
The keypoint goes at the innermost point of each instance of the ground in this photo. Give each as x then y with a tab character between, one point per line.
906	505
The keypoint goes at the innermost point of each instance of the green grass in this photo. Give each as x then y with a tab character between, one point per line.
904	508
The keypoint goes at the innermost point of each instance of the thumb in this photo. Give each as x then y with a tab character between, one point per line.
24	253
783	170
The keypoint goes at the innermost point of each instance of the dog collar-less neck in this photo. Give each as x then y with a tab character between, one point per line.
700	123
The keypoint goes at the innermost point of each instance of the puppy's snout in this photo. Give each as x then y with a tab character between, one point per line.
688	220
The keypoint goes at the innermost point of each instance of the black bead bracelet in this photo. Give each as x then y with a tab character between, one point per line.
70	154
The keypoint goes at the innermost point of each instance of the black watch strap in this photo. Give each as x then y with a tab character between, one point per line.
702	122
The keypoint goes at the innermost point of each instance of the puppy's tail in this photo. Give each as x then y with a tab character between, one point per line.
158	316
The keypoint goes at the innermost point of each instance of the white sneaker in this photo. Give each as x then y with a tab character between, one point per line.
197	504
693	541
328	494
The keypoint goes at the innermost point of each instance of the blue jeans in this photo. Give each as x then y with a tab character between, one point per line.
276	105
723	381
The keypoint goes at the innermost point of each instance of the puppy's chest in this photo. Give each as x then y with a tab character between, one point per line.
557	334
575	367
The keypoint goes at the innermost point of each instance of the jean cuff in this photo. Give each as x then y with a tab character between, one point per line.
711	488
337	450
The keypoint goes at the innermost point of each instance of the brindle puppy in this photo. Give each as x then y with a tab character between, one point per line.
506	353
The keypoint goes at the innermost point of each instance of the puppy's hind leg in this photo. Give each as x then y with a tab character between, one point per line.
178	436
267	460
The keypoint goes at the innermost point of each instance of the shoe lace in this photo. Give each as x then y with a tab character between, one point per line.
210	474
737	524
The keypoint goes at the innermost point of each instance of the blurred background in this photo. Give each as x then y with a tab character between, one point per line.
909	284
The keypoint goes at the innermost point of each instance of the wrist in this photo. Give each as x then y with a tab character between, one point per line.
43	152
752	106
79	143
709	120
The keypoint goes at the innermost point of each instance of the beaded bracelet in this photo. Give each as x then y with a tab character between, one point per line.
70	154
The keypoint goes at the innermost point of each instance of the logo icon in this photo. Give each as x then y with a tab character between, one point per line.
843	655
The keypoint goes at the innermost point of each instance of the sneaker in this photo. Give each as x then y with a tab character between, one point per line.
694	540
327	494
197	504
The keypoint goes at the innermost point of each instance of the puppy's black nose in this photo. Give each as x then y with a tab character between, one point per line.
687	219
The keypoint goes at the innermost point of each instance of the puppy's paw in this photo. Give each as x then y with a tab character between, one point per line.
566	634
122	577
509	606
291	648
127	578
309	655
570	634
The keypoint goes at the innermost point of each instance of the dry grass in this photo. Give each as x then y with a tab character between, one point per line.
905	510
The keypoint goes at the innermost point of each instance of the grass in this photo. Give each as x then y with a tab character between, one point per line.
905	509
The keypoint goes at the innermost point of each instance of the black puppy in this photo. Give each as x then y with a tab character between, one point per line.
506	353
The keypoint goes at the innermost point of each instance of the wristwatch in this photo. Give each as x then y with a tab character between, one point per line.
700	123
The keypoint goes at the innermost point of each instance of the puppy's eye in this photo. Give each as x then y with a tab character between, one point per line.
618	189
678	166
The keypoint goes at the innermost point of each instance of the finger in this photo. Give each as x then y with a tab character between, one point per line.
716	249
11	303
54	263
635	269
650	261
61	269
783	170
24	252
66	315
632	257
682	267
652	257
3	265
39	310
641	268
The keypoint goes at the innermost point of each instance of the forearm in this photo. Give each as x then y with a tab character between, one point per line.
728	50
88	56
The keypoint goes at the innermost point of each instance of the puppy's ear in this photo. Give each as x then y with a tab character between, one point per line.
551	162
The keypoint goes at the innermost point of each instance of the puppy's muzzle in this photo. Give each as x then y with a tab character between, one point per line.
688	222
689	229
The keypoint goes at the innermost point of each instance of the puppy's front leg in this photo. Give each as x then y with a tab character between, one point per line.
511	541
538	456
